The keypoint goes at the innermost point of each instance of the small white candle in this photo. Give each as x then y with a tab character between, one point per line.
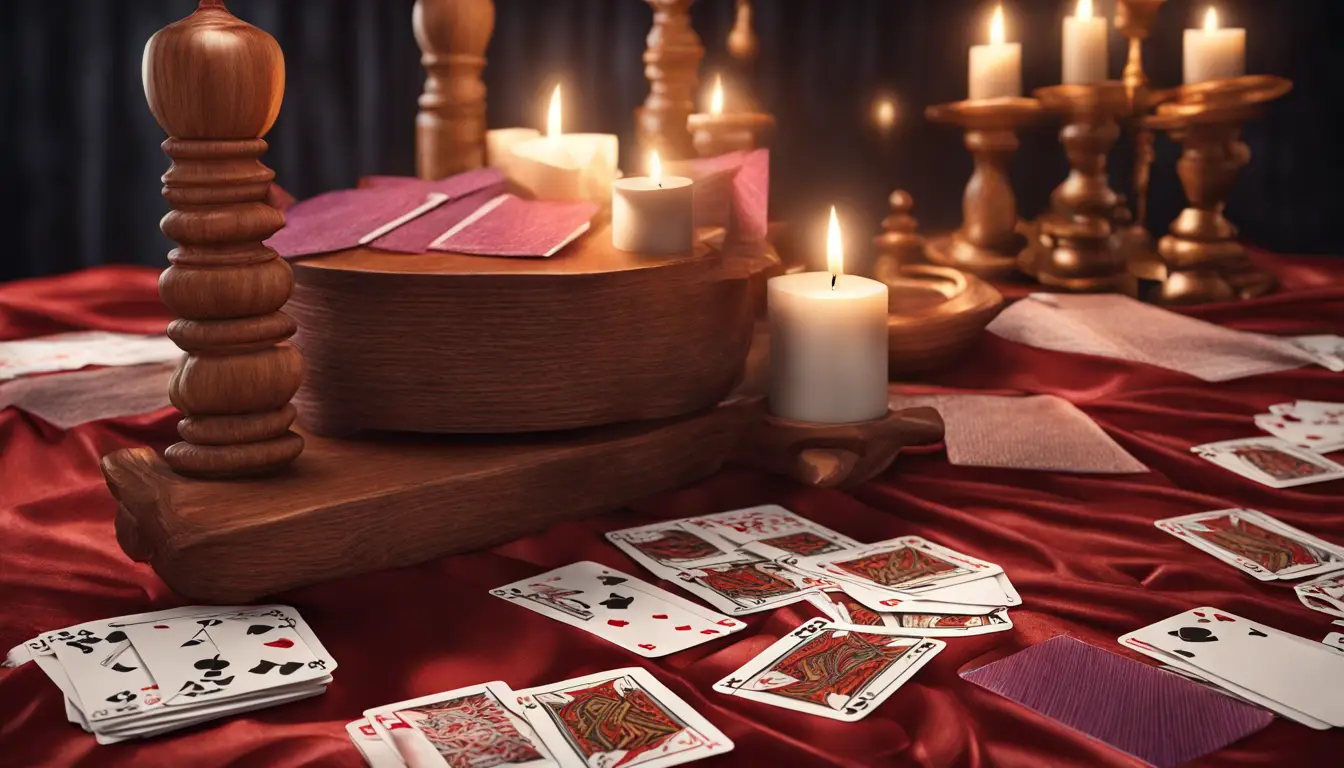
828	343
653	214
996	68
1212	53
566	166
1084	46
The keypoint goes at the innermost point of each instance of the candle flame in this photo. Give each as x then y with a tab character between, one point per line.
1084	10
1211	20
835	252
716	97
553	114
996	35
655	168
884	113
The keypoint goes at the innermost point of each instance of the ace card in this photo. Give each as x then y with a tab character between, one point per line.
1270	461
830	671
1256	543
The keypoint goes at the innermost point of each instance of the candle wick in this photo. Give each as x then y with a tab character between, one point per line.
833	282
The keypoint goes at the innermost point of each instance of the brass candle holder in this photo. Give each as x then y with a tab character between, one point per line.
1082	244
717	134
1134	19
990	237
1201	258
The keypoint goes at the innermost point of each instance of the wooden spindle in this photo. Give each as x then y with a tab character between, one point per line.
450	129
214	83
744	46
672	65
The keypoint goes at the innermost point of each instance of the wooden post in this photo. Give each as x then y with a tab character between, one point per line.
214	84
450	129
672	64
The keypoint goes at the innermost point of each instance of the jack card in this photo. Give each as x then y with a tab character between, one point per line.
908	566
1256	543
749	584
619	608
830	671
775	531
623	718
1270	461
470	726
667	547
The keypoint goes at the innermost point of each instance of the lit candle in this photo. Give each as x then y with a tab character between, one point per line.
566	166
1084	46
499	144
996	69
653	214
828	343
1212	53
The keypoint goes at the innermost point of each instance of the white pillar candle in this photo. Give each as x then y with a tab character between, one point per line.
566	166
1084	46
996	68
1212	53
828	343
499	145
653	214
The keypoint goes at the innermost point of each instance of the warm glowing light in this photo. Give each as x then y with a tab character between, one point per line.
655	168
553	114
884	112
996	36
716	97
835	251
1084	10
1211	20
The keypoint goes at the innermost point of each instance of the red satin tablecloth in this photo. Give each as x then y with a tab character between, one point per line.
1082	550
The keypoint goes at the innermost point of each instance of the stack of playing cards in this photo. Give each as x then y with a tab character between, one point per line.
1315	426
72	351
624	717
1258	544
142	675
760	558
1271	461
1293	676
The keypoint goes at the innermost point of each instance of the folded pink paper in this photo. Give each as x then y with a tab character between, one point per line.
1120	327
731	190
67	400
1041	432
511	226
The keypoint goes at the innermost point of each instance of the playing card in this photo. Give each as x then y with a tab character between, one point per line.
667	547
376	752
471	726
1270	461
346	218
71	351
511	226
1256	543
1316	435
1324	594
1328	347
107	675
619	608
1293	671
908	566
1334	640
829	671
623	718
749	584
775	529
1146	712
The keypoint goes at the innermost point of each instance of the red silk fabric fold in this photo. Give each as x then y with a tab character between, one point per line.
1082	550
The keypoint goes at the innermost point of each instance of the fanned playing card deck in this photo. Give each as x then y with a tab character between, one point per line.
141	675
623	717
1257	543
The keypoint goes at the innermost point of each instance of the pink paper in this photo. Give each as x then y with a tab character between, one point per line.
1041	432
731	190
1115	326
454	186
66	400
517	227
416	236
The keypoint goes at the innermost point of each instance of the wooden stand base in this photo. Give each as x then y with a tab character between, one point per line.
936	313
988	263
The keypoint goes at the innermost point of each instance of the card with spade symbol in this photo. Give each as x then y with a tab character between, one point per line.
830	671
619	608
1277	668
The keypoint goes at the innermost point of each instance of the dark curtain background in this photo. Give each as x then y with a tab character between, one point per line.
81	156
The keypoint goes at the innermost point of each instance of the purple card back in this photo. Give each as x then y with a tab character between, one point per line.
1154	715
416	235
517	227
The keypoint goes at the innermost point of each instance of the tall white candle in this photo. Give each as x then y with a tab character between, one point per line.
996	68
1084	46
1212	53
653	214
566	166
828	343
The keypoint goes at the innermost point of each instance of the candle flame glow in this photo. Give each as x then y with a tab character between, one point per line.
716	97
835	252
655	168
884	113
1211	20
553	114
1084	10
996	34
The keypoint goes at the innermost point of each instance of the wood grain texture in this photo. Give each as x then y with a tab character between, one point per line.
450	128
672	65
214	83
446	343
936	315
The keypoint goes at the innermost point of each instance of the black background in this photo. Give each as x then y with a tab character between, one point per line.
82	161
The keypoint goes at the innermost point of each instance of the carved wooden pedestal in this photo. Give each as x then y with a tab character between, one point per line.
450	129
672	64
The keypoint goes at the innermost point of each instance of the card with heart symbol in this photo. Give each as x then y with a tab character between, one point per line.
619	608
1298	675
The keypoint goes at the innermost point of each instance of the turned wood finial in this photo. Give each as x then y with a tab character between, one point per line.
672	65
743	44
450	129
214	83
900	243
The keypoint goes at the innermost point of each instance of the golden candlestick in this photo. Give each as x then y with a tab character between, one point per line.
1134	19
1201	257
